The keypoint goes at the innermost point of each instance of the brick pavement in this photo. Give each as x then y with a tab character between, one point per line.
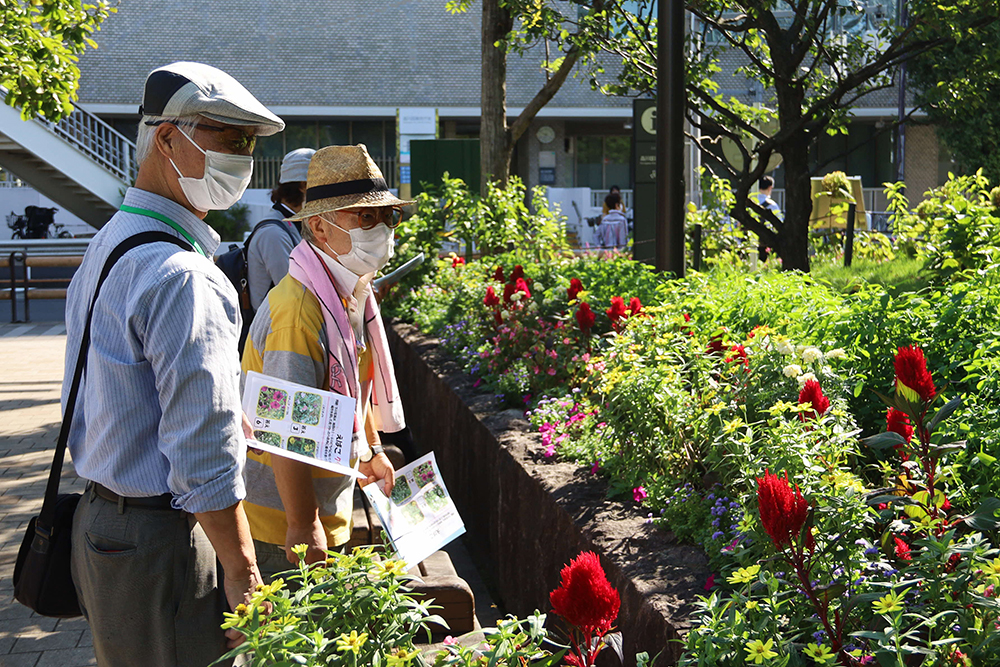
31	369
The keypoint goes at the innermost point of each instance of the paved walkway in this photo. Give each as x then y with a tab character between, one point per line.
31	369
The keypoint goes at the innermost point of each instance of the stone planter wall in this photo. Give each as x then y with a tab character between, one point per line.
528	517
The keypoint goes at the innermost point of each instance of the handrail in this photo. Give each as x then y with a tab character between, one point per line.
95	139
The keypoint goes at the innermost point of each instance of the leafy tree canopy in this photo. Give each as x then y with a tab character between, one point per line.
40	41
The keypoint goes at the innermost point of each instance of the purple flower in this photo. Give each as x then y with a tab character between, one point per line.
717	535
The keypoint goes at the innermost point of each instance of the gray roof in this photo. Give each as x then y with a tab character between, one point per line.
341	53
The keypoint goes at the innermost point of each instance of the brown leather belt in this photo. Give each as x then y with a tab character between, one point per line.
152	502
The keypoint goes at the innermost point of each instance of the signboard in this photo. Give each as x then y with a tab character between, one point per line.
644	168
547	167
418	120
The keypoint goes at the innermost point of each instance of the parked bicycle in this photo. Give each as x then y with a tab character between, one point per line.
37	222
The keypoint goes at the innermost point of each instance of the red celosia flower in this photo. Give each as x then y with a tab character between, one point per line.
517	273
512	288
902	549
585	317
812	393
522	286
457	262
498	274
687	318
953	562
575	287
634	306
782	510
617	309
573	661
946	505
715	346
738	353
491	299
586	598
899	422
913	381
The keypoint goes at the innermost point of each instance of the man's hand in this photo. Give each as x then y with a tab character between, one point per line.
238	591
312	535
379	468
248	434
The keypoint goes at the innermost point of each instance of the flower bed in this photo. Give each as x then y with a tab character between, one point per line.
683	395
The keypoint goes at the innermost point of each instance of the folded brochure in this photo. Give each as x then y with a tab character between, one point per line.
419	515
300	422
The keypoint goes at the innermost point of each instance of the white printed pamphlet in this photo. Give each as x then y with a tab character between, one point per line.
399	273
419	515
300	422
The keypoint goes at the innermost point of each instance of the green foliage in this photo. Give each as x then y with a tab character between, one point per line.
40	41
351	610
956	84
230	224
807	64
956	228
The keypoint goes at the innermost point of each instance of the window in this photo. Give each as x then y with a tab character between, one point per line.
603	161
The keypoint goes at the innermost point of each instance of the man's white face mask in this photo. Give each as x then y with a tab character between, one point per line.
225	179
370	248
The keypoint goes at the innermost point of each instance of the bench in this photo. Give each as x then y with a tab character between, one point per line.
34	288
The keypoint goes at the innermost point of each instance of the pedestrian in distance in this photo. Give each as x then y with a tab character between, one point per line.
274	237
158	429
321	327
765	186
612	233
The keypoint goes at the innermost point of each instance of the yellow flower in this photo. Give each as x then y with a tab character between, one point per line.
890	603
752	604
731	427
390	568
819	653
992	567
300	550
743	575
352	642
400	657
758	651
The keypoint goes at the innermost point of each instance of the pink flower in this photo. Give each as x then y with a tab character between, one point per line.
639	494
449	640
710	582
595	468
550	451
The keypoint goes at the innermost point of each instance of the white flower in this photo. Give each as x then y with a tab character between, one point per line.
792	370
783	346
516	296
836	354
805	378
504	315
538	287
811	354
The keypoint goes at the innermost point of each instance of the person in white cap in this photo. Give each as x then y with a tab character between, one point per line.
320	326
158	424
273	238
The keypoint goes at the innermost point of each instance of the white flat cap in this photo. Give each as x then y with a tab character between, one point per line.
295	165
190	89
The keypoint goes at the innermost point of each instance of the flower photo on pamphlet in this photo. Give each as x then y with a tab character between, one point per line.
300	422
419	515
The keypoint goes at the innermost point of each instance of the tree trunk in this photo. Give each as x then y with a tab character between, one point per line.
495	147
793	241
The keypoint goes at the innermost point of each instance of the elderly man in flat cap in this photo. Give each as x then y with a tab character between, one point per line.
320	326
157	428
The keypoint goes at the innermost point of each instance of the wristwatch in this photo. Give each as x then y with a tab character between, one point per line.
371	453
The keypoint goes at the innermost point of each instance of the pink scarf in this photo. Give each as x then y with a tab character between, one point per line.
305	266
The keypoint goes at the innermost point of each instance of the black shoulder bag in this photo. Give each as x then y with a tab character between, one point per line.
42	578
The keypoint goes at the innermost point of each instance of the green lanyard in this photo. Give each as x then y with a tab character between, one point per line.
162	218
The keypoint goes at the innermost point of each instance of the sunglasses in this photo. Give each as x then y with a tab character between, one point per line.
368	218
233	139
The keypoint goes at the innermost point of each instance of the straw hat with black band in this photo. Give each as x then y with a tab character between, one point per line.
344	177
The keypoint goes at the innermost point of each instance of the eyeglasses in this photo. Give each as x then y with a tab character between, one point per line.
368	218
234	139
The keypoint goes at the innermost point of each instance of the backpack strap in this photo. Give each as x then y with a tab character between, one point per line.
46	516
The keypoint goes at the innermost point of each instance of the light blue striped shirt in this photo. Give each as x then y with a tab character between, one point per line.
159	406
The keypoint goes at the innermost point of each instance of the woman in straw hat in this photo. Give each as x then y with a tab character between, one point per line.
320	326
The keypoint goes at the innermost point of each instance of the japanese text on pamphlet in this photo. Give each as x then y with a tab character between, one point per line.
419	516
300	422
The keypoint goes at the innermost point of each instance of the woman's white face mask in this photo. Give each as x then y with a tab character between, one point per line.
370	248
225	179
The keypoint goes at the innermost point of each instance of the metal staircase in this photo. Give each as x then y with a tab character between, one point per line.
81	162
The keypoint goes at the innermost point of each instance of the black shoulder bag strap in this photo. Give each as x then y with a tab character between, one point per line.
47	515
